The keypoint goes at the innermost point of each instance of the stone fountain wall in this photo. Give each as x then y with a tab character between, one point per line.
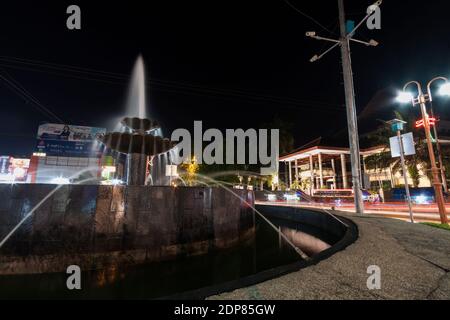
91	225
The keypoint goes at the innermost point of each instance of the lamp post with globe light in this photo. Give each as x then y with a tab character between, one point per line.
421	100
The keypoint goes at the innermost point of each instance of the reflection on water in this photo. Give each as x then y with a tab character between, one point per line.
265	251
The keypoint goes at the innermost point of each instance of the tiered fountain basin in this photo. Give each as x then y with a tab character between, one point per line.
137	138
93	226
139	143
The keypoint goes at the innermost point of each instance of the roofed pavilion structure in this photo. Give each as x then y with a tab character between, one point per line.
324	167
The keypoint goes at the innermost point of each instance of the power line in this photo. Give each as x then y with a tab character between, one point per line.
308	17
153	81
186	88
16	87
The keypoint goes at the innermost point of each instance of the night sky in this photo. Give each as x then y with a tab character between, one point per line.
232	64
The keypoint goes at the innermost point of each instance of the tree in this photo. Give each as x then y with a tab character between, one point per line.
189	171
414	174
286	136
421	159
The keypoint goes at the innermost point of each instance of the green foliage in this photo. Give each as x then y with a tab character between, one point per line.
189	171
305	184
414	174
296	185
438	225
380	137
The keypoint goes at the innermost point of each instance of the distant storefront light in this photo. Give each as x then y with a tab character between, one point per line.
108	172
39	154
113	182
60	181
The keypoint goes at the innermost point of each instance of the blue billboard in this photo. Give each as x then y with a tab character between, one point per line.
69	140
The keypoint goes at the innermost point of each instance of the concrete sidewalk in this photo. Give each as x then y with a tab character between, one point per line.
414	261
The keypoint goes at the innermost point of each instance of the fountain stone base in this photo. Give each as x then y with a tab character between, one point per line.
91	226
136	169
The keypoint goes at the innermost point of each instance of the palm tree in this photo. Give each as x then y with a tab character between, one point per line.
382	160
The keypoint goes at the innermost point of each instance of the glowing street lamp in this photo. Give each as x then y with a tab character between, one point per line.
404	97
421	100
445	89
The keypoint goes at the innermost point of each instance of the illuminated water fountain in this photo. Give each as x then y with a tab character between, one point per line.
140	144
138	137
89	224
135	227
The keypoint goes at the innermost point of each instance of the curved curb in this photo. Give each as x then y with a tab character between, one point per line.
350	236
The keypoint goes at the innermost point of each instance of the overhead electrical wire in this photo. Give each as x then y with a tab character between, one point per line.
16	87
175	86
308	16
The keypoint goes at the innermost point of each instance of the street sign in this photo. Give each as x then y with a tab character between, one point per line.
408	145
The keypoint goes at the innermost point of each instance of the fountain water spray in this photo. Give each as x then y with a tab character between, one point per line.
30	213
137	102
278	231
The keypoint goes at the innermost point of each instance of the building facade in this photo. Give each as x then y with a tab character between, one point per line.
329	168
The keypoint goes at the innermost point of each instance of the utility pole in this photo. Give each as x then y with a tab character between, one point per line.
351	111
344	43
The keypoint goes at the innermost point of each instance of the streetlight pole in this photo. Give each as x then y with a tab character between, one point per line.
438	145
439	153
421	100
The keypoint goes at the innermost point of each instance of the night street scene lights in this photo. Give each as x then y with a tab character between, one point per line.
191	152
421	100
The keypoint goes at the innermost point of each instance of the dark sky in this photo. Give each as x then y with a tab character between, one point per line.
229	63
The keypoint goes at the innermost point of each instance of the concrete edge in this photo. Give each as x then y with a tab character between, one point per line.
350	236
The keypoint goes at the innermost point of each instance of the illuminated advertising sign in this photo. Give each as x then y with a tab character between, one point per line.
19	169
13	169
69	141
420	123
4	165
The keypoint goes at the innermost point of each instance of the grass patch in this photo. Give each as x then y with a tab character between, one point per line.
438	225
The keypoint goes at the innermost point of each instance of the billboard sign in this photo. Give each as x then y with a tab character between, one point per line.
13	169
69	141
408	145
62	132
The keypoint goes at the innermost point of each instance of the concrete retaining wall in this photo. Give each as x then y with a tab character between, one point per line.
153	223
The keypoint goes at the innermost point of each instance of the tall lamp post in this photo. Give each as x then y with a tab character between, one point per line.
421	100
438	144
